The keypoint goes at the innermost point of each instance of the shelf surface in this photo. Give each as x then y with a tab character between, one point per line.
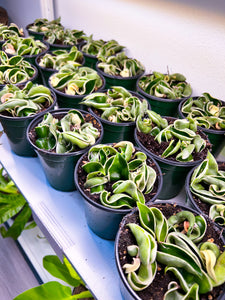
60	216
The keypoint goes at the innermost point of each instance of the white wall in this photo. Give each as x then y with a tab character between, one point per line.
162	34
186	38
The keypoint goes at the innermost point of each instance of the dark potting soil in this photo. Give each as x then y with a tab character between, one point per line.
149	142
108	186
203	206
87	118
159	286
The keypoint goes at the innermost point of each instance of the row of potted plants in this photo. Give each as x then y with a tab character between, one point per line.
114	178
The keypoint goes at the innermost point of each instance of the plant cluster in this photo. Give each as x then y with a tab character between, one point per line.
23	46
100	48
126	169
209	112
169	86
117	104
120	65
62	36
26	101
208	184
6	32
44	25
13	204
175	243
67	134
14	70
76	81
59	58
181	135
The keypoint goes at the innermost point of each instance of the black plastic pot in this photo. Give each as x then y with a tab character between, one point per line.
59	168
116	132
102	220
127	82
36	35
190	197
163	106
72	101
216	137
53	47
15	128
174	172
47	72
127	292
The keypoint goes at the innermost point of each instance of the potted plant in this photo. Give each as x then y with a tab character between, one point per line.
164	91
209	113
94	49
74	288
59	138
8	31
205	189
13	207
176	144
40	26
117	109
120	70
112	178
27	47
167	251
72	84
18	106
60	38
52	61
15	70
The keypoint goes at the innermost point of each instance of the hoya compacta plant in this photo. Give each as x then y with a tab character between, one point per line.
209	112
76	81
15	70
26	101
43	25
61	36
176	139
207	184
179	245
57	59
66	134
118	175
101	48
8	31
169	86
23	46
116	105
120	65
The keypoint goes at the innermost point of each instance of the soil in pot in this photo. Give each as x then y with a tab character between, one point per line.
159	286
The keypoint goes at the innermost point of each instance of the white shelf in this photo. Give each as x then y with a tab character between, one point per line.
60	216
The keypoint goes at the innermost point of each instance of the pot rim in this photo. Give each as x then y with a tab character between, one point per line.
116	254
35	115
208	130
124	124
117	76
39	118
75	96
35	32
120	210
154	97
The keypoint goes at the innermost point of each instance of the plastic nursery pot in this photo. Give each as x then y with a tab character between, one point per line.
59	168
127	82
53	47
216	137
47	72
193	201
155	290
36	35
104	221
15	128
116	132
174	172
72	101
163	106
